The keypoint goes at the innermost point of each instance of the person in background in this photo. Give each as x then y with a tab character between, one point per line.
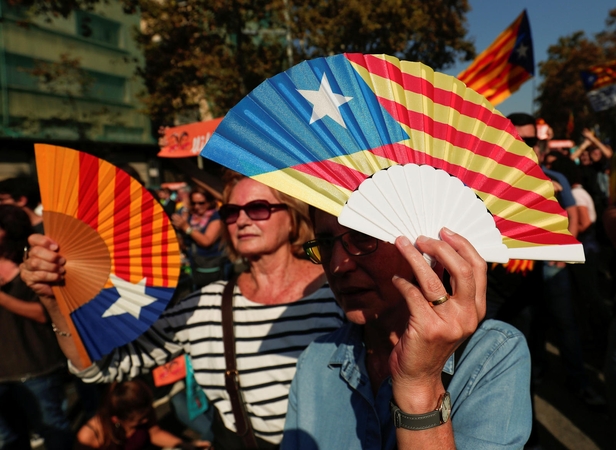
164	196
594	162
281	303
559	307
592	310
32	367
23	191
609	222
126	420
201	231
182	201
592	144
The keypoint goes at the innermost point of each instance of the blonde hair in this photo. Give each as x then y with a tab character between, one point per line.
301	225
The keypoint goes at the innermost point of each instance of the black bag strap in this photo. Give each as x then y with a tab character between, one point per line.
232	380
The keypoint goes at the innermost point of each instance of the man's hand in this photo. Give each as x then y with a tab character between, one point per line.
434	332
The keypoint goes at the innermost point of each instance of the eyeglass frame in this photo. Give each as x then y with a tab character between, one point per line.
310	245
269	207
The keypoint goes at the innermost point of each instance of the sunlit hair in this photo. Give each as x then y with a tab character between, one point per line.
301	226
126	400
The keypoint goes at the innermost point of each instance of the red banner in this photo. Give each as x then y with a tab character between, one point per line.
186	141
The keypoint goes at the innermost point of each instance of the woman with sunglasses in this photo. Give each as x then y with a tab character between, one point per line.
281	303
201	230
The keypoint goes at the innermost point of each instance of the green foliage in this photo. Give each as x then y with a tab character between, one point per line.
562	92
206	50
216	51
224	49
428	31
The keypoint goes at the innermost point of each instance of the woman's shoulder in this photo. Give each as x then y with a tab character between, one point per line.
209	295
323	291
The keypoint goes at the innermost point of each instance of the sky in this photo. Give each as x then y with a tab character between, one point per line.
549	20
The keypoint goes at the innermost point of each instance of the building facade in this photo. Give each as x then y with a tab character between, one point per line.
71	82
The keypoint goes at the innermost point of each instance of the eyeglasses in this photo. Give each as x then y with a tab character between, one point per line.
530	141
256	210
354	242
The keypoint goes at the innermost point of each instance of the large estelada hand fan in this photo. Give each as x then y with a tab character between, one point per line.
393	148
123	258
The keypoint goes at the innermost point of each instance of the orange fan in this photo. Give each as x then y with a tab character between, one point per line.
123	258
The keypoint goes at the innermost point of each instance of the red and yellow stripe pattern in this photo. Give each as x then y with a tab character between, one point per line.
498	71
451	128
138	234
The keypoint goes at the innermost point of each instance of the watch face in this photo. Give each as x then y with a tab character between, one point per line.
446	408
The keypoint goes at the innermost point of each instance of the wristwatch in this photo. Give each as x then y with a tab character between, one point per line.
423	421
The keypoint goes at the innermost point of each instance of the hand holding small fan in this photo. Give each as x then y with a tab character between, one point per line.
122	254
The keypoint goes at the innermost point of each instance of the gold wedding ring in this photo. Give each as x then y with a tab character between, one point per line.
440	300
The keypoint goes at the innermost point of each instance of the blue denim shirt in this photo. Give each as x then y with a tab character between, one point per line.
331	404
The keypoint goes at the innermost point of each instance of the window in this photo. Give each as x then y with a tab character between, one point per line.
123	134
97	28
18	71
100	86
107	87
17	11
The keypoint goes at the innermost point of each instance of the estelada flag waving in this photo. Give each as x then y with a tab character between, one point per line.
505	65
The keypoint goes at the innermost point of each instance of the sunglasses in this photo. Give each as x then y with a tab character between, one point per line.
199	203
354	242
256	210
530	141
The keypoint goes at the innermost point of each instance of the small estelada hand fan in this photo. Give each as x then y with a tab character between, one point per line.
393	148
123	258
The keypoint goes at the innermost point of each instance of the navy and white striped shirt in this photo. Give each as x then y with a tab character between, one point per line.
269	339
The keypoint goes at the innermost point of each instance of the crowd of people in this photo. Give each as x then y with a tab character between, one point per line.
337	339
571	302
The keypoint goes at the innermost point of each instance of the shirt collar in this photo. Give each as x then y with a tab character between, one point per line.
351	352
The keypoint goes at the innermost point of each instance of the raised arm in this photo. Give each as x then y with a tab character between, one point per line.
607	151
580	149
29	310
497	358
42	269
210	236
434	332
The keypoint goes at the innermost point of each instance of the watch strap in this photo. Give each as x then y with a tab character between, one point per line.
417	422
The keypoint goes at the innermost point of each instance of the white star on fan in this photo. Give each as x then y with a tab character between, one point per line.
325	102
522	49
132	298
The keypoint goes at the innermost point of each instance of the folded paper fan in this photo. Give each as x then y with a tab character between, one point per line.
123	258
329	131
